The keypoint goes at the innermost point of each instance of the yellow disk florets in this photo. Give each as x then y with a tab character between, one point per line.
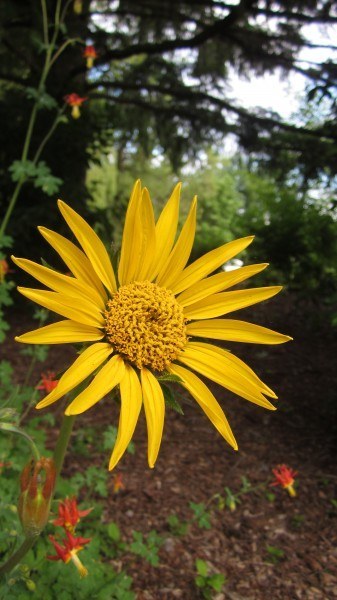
145	324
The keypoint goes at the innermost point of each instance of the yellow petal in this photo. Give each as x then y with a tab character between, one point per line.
84	365
154	406
75	259
226	302
67	306
132	238
63	332
61	283
106	379
208	263
148	234
207	360
91	244
181	251
206	401
131	403
235	331
166	229
235	364
217	283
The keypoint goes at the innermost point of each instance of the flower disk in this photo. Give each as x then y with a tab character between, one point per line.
146	325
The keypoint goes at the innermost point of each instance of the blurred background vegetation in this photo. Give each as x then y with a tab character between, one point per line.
160	107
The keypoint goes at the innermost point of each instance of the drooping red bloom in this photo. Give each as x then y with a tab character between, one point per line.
4	268
118	483
285	477
68	551
48	382
69	514
37	482
90	54
75	101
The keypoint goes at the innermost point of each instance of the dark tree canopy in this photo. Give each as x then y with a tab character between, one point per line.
161	78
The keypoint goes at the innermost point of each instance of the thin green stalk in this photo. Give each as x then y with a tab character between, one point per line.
49	59
45	22
47	136
16	558
18	431
62	442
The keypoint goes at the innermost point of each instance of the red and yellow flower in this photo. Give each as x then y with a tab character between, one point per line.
90	54
69	514
118	483
285	477
75	101
68	551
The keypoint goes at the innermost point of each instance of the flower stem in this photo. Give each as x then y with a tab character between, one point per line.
18	555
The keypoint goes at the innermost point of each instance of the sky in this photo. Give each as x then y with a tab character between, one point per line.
270	92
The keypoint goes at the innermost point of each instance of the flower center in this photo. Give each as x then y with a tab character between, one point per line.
146	325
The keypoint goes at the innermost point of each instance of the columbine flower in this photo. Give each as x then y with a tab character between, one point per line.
118	483
285	476
146	319
90	54
37	482
71	546
75	101
3	269
69	515
48	382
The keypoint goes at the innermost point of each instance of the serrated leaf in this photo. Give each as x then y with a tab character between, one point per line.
170	400
169	377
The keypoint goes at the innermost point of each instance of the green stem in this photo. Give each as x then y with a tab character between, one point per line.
18	431
18	555
48	135
62	442
32	119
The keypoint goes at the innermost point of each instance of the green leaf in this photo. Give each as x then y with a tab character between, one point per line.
216	581
202	567
114	531
170	400
22	169
45	180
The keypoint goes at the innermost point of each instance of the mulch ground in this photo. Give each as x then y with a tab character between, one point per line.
195	463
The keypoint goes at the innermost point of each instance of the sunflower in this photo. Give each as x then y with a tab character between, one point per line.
144	321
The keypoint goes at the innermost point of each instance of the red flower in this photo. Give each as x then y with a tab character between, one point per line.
37	482
69	515
75	101
68	551
4	268
285	477
118	483
48	382
90	54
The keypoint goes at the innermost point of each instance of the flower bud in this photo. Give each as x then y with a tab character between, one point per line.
37	482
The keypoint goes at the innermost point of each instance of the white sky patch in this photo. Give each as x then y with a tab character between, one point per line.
271	91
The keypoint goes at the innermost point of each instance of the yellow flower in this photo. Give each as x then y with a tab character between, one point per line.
145	320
